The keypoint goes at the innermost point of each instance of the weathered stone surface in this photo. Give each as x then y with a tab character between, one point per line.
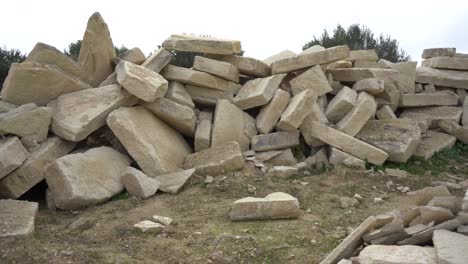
194	43
147	226
245	65
138	184
134	55
227	114
363	55
282	171
270	114
31	82
17	218
158	60
217	159
313	76
430	88
314	48
452	63
433	114
449	202
97	50
316	114
453	128
182	118
5	106
395	226
390	96
207	96
277	140
258	92
221	69
341	104
348	144
339	64
84	179
390	239
156	147
386	254
448	78
338	157
434	142
366	64
12	155
398	137
385	112
463	230
428	99
173	182
296	111
202	135
176	92
276	205
46	54
450	247
354	120
282	55
464	205
369	85
310	59
397	173
28	122
284	158
141	82
111	79
357	74
76	115
189	76
438	52
423	196
407	76
436	214
354	240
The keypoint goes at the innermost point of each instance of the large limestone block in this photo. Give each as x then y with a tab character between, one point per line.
385	112
245	65
177	93
78	114
194	43
270	114
348	143
138	184
28	122
5	106
84	179
313	79
429	99
341	104
438	52
433	114
46	54
202	135
111	79
314	48
31	82
207	96
407	76
182	118
277	140
447	78
436	214
423	196
284	158
158	60
383	254
155	146
398	137
276	205
453	128
315	115
221	69
434	142
450	247
17	218
12	155
282	55
363	55
298	108
354	120
371	85
229	125
310	59
141	82
338	157
32	171
337	64
97	50
258	92
451	63
390	96
354	240
357	74
216	160
174	182
189	76
133	55
425	236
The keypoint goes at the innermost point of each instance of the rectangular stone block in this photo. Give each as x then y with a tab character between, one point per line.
176	92
277	140
298	108
385	112
434	142
451	63
317	115
433	114
189	76
245	65
270	114
447	78
207	96
194	43
17	218
228	125
354	120
221	69
258	92
428	99
202	135
158	60
453	128
438	52
341	104
314	79
363	55
12	155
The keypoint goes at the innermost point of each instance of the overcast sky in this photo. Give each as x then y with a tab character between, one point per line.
263	27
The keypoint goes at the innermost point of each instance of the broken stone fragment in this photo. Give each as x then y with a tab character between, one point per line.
164	220
385	112
155	146
274	206
393	227
284	158
138	184
313	76
202	135
434	142
298	108
436	214
76	115
207	96
176	92
258	92
245	65
216	160
277	140
341	104
433	114
378	254
423	196
192	43
269	114
363	110
17	218
174	182
147	226
189	76
450	247
447	78
12	155
338	157
453	128
134	55
449	202
428	99
347	202
438	52
158	60
370	85
88	178
141	82
221	69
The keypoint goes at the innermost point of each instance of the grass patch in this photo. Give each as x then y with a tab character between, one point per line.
121	196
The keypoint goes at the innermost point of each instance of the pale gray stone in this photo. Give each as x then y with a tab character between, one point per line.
434	142
138	184
363	110
217	159
193	43
221	69
258	92
133	55
313	75
202	135
245	65
387	254
296	111
433	114
282	55
385	112
189	76
341	104
428	99
423	196
450	247
177	93
207	96
276	205
173	182
17	218
269	114
147	226
158	60
447	78
369	85
363	55
277	140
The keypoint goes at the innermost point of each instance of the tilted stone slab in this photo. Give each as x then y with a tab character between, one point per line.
228	125
221	69
450	247
453	128
17	218
371	85
155	146
298	109
133	55
189	76
438	52
174	182
207	96
12	155
407	76
158	60
138	184
433	114
76	115
313	79
341	104
451	63
202	137
363	110
270	114
357	74
429	99
276	205
277	140
385	112
245	65
194	43
276	57
434	142
447	78
258	92
176	92
375	254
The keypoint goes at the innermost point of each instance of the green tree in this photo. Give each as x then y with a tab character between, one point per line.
74	49
7	57
359	37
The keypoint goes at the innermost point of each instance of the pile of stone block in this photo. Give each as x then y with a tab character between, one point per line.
159	123
436	231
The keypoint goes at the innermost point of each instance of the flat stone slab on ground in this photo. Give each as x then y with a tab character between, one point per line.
423	196
450	247
274	206
17	218
434	142
173	182
147	226
138	184
428	99
258	92
433	114
379	254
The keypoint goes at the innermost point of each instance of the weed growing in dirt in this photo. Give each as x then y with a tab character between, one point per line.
121	196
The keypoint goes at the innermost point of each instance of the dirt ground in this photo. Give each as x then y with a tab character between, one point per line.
202	232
